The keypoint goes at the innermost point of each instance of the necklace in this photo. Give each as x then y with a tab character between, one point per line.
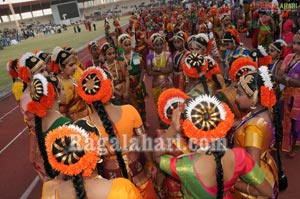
158	58
128	61
110	67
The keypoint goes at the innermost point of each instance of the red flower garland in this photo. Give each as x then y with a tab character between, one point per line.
23	73
267	96
40	108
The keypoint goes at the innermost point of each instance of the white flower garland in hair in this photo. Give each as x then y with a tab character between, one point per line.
22	61
282	42
264	73
44	81
55	52
80	130
205	98
104	75
262	50
208	57
170	102
7	66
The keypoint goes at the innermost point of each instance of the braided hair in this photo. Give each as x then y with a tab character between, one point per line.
218	154
41	142
108	125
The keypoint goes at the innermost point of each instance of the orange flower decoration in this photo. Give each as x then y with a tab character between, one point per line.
265	61
267	94
94	85
12	68
206	120
240	67
169	100
212	68
39	106
71	150
194	64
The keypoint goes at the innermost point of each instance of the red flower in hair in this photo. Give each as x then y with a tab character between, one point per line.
23	73
267	96
40	107
54	67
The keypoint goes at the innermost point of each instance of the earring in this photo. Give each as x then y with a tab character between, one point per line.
254	100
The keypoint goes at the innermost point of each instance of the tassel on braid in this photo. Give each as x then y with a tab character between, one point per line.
112	136
41	142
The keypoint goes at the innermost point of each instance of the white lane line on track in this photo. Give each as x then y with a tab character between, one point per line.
30	188
6	114
15	138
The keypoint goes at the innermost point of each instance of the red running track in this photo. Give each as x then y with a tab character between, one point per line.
19	180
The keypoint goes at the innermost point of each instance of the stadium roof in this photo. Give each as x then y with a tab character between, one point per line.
21	6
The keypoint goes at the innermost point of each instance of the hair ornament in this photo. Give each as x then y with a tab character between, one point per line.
42	94
168	101
123	37
12	68
206	119
240	67
267	95
212	67
194	65
262	50
94	85
72	150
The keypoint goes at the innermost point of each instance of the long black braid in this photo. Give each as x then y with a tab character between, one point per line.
79	186
41	142
108	125
218	154
277	121
204	83
215	78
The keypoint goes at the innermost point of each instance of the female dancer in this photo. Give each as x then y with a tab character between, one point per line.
255	132
179	41
118	72
289	76
45	97
74	153
136	69
123	131
63	63
159	66
28	66
212	170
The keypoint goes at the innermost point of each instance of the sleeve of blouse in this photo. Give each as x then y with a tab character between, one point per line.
253	137
246	167
136	117
168	165
252	173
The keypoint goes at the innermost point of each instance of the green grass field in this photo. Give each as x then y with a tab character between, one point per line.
47	44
